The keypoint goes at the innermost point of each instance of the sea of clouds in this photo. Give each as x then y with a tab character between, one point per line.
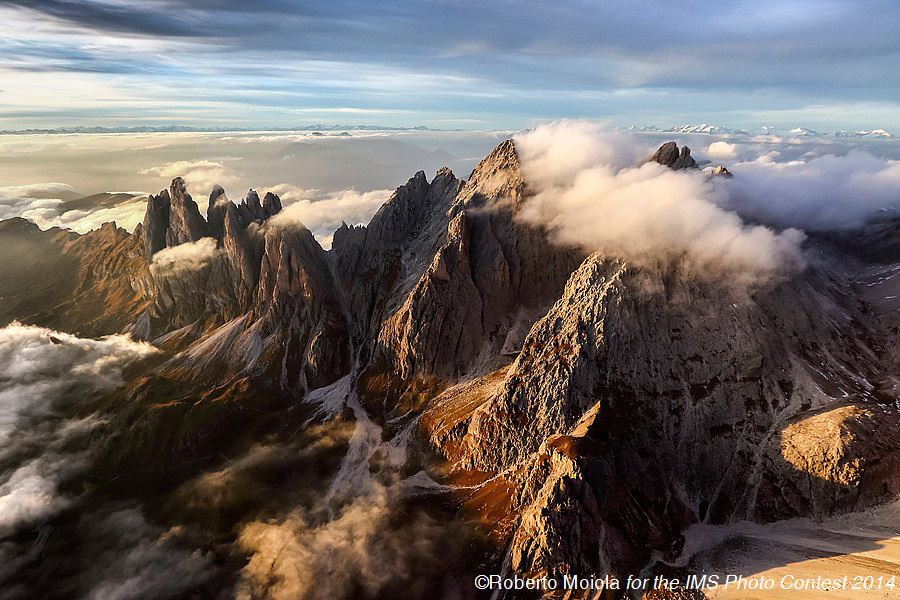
48	381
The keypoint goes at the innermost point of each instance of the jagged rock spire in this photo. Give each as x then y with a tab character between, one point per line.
215	213
669	156
173	218
271	205
185	222
251	209
156	223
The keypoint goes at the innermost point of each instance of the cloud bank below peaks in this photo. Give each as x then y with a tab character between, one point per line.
40	372
588	191
822	193
323	213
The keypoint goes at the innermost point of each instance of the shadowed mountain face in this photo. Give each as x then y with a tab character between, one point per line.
448	387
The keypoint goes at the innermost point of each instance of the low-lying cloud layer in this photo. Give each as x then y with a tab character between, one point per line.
349	171
190	256
822	192
591	190
45	204
590	193
112	552
41	374
203	174
322	214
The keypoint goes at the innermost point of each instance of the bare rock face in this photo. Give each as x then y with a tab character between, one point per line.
490	278
108	292
215	213
497	177
213	291
268	307
156	224
693	386
250	208
86	284
669	156
172	218
378	264
666	155
185	222
294	336
685	161
443	311
244	249
850	457
298	302
271	205
563	342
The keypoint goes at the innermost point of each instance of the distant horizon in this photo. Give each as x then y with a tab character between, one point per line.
338	128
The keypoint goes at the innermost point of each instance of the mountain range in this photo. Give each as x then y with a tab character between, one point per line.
573	412
764	130
701	128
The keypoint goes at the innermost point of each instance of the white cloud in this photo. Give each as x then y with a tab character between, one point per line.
45	213
589	193
138	560
184	257
45	377
197	174
768	157
555	152
38	444
35	190
722	150
126	215
323	213
17	207
818	193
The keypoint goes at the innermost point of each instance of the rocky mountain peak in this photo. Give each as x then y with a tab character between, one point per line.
156	223
252	201
271	205
669	156
226	278
178	189
185	222
407	208
251	209
215	213
379	263
721	171
298	302
498	176
489	277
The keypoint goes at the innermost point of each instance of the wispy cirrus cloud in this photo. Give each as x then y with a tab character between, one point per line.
459	57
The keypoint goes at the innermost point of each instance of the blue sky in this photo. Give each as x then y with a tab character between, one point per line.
825	64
